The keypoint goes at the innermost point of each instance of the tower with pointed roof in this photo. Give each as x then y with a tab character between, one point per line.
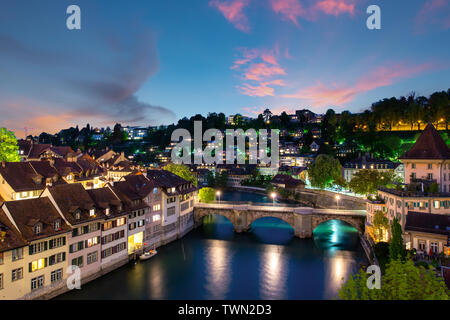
428	159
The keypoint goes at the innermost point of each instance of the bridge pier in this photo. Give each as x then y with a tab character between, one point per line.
240	221
303	224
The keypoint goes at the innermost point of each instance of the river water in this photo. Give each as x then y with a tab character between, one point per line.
212	262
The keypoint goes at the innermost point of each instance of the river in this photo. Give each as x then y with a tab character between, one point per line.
212	262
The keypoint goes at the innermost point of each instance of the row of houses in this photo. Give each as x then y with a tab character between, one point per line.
96	230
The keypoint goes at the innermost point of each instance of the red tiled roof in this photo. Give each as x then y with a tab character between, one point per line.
21	176
26	213
430	145
12	238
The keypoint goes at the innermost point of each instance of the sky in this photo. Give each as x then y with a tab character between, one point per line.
153	62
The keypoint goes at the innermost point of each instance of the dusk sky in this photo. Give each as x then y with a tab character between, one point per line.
155	61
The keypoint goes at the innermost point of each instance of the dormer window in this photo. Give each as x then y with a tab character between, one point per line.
57	224
155	190
173	190
37	228
107	211
91	212
77	215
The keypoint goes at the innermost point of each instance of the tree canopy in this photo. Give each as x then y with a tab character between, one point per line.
207	195
402	280
182	171
367	181
324	171
9	150
396	246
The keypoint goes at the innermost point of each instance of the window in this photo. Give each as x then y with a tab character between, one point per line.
156	217
17	254
37	228
156	207
120	222
155	190
413	165
57	242
56	275
107	211
430	166
413	175
77	215
170	211
434	246
436	204
78	261
141	223
17	274
37	247
57	224
92	257
430	176
92	242
37	264
422	246
37	283
56	258
91	212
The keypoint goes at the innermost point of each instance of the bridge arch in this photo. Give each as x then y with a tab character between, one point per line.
200	214
317	220
253	216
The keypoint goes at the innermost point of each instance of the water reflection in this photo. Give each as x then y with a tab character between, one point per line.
273	273
218	258
335	235
339	264
156	283
272	230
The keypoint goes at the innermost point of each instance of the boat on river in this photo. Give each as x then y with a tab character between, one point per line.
148	254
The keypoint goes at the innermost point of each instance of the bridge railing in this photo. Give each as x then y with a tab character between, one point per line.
259	204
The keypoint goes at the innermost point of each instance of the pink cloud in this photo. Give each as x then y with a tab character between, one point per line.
335	7
321	95
293	9
435	12
233	12
289	9
260	71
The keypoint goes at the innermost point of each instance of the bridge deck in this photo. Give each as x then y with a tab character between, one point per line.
278	207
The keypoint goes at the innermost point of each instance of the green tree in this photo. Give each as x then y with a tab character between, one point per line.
182	171
396	247
367	181
401	281
9	150
380	224
325	171
207	195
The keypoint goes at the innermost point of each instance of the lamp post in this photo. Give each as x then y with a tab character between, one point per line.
273	195
337	201
218	194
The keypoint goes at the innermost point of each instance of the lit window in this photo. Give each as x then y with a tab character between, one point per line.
92	212
37	228
38	265
107	211
156	217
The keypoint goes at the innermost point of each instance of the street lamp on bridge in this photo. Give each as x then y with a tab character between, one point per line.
218	194
274	196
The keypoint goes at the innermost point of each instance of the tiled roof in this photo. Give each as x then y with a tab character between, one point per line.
11	237
135	186
71	198
105	198
287	180
166	180
430	145
21	176
27	213
428	223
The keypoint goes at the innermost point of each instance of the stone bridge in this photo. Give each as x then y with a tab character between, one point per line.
302	219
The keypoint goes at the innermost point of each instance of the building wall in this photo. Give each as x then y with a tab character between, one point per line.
122	254
415	239
46	272
440	170
86	269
